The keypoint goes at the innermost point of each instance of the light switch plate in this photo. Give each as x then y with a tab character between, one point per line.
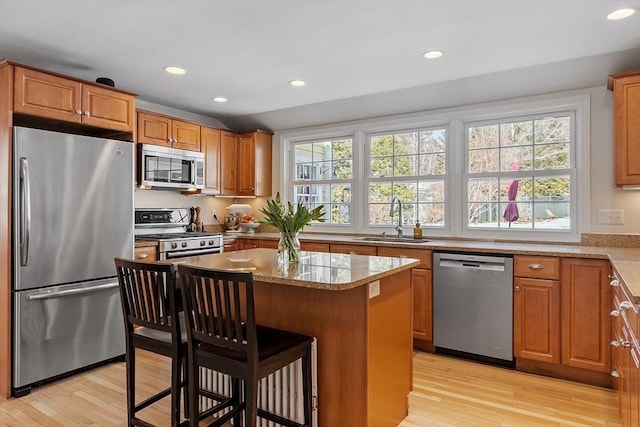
374	289
611	216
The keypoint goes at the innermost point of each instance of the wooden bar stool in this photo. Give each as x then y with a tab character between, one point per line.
223	336
152	322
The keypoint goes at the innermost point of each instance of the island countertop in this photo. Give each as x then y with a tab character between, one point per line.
318	270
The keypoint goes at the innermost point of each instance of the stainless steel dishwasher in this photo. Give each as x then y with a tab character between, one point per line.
473	305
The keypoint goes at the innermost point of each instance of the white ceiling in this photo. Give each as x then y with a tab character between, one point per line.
248	50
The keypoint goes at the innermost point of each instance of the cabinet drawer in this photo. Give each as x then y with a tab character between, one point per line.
146	253
536	266
424	255
270	244
314	246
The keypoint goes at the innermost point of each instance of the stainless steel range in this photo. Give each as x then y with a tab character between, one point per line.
168	226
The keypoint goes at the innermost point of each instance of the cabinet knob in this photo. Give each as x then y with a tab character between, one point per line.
352	253
614	313
517	288
87	113
614	282
142	256
614	343
625	344
536	266
626	305
79	112
615	374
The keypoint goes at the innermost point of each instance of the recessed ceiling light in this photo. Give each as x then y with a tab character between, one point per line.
220	99
621	13
297	83
432	54
175	70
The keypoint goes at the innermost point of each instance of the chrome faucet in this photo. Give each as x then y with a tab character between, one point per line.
399	225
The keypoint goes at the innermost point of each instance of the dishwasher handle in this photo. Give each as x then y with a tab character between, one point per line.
498	265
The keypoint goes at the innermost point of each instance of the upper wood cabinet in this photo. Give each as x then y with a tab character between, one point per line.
210	144
254	164
228	163
162	130
245	168
626	109
41	94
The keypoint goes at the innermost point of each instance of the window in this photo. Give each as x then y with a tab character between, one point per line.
409	165
520	173
323	175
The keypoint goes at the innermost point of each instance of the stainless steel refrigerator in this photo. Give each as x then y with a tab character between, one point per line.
73	213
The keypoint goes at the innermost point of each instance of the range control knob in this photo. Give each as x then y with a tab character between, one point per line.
185	244
203	242
210	242
174	245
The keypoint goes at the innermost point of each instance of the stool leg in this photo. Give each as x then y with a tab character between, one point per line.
235	394
194	387
175	390
184	386
251	402
130	367
307	380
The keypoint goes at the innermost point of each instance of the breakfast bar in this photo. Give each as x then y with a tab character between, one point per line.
359	309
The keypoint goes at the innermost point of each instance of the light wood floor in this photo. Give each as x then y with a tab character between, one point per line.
447	392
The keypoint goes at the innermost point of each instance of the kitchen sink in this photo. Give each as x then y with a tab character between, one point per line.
393	239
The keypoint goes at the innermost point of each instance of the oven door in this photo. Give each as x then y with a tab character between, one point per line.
194	252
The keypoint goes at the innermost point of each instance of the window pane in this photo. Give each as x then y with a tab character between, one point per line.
557	129
303	153
340	213
304	171
382	146
432	141
516	158
405	165
483	160
380	192
552	215
342	149
405	143
321	151
483	136
431	213
431	191
342	169
483	190
381	166
516	133
431	164
379	214
341	193
405	191
552	156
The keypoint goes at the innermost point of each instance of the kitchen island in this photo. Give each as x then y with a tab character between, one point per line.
358	308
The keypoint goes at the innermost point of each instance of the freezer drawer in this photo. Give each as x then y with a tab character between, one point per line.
63	328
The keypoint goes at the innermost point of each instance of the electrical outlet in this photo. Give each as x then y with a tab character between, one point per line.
611	216
374	289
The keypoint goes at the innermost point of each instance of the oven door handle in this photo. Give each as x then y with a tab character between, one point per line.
193	252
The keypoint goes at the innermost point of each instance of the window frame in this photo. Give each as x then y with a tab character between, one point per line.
453	119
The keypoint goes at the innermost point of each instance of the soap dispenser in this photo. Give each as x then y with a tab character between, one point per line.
417	231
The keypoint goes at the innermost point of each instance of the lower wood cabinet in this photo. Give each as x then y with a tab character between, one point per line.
146	253
586	325
340	248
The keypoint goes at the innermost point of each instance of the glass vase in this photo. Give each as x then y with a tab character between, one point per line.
288	248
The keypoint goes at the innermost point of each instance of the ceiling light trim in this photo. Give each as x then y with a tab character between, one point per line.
433	54
175	70
623	13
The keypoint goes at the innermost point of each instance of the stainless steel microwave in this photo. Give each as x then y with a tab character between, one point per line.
170	168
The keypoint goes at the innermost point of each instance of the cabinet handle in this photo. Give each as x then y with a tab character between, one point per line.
615	374
625	344
614	282
79	112
517	288
614	313
626	305
536	266
87	113
142	256
614	343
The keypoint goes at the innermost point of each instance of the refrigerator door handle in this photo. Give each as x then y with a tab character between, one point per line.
25	213
68	292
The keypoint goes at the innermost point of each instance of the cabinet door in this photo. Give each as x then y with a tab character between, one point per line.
353	249
421	284
626	107
41	94
210	144
248	243
246	165
185	135
536	316
228	164
154	129
586	324
108	109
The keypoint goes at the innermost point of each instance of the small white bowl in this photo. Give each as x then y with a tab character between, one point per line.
247	227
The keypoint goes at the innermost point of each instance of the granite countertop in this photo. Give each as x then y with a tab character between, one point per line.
319	270
625	261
